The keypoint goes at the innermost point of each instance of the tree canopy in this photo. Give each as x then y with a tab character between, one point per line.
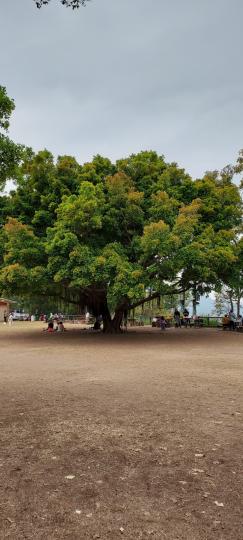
108	236
111	236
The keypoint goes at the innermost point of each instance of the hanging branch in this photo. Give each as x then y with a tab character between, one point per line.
156	295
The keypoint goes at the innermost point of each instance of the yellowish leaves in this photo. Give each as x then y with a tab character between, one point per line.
135	197
13	226
136	274
187	219
14	273
158	240
119	182
155	228
100	261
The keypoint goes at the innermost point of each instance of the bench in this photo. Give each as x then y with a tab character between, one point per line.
225	326
198	323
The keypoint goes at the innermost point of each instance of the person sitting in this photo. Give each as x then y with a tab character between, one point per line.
60	327
49	328
97	324
239	320
226	322
162	323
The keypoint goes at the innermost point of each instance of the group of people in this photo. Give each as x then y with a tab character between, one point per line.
183	319
53	316
231	321
179	319
55	326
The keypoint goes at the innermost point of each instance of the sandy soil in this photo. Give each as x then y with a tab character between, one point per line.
135	436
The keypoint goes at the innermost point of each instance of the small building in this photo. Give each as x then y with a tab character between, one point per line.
5	308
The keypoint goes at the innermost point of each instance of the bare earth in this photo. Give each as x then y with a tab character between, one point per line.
132	436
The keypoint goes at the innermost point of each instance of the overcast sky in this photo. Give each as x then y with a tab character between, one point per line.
123	75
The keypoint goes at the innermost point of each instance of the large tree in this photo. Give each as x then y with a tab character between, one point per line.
112	236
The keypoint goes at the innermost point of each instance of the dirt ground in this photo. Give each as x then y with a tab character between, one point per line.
136	436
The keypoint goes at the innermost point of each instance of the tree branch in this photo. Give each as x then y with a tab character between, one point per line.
156	295
146	299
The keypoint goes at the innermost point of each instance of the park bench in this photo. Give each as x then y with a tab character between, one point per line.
197	323
238	326
134	322
225	326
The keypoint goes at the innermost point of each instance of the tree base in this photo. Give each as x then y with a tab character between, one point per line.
112	330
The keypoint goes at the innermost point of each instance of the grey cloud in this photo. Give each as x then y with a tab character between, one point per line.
120	76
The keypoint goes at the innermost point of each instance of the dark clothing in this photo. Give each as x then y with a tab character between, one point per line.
177	317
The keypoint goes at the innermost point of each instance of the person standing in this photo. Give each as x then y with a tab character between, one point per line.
177	317
5	317
162	323
232	320
10	319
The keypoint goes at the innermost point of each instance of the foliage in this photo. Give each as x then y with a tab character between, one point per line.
6	108
222	302
10	153
103	234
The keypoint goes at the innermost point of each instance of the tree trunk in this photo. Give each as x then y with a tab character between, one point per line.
112	326
238	305
231	301
194	301
117	320
106	318
183	301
